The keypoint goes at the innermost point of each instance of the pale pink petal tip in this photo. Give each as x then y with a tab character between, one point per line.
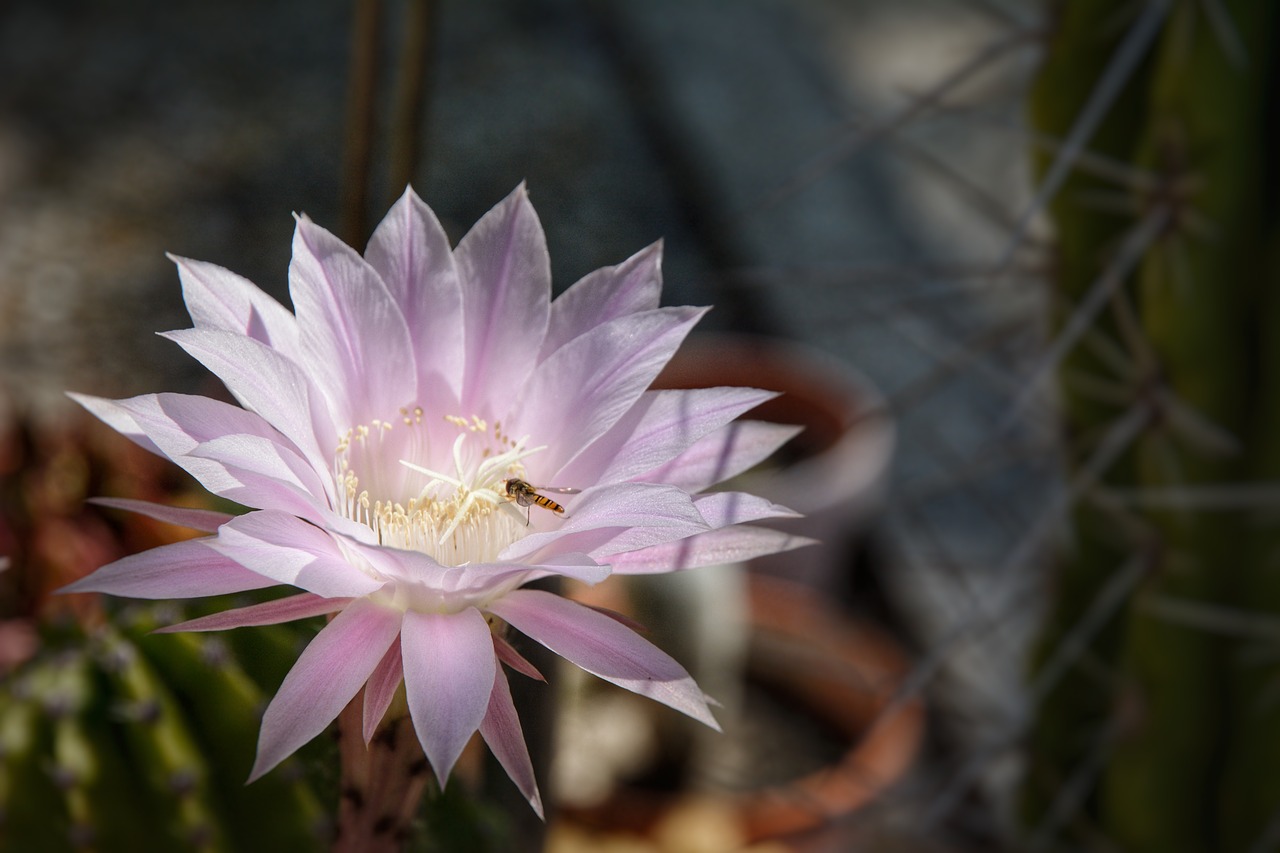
605	648
328	673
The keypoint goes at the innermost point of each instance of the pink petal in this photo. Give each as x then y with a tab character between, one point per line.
111	413
506	294
196	519
177	424
501	730
266	382
587	385
381	690
598	297
266	475
512	658
641	513
325	678
291	551
661	426
411	252
605	648
723	454
715	548
189	569
722	509
354	339
288	609
448	676
219	299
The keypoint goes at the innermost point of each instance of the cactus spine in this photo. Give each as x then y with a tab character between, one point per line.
1184	749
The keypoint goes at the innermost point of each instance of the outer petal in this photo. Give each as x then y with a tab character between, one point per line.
512	658
410	251
288	609
197	519
381	689
265	475
598	297
327	674
603	647
120	420
501	730
289	550
176	424
267	383
587	385
723	454
219	299
353	337
448	675
658	428
714	548
189	569
722	509
649	513
506	296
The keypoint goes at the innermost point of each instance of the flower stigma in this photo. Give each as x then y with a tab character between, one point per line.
456	510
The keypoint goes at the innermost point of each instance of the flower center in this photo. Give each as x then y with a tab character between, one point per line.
451	505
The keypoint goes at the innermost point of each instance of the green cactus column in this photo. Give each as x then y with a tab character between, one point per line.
130	741
1076	710
1189	746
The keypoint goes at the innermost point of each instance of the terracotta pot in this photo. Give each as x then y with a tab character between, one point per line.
834	471
847	674
832	672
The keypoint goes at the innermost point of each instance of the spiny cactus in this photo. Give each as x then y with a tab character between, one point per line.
122	740
112	738
1160	736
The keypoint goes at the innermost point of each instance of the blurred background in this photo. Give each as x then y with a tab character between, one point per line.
859	187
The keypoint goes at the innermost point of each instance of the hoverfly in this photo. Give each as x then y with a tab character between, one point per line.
526	496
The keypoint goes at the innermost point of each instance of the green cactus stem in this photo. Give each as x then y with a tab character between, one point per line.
1192	741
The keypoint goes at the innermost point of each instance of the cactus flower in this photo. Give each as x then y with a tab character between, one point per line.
424	435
